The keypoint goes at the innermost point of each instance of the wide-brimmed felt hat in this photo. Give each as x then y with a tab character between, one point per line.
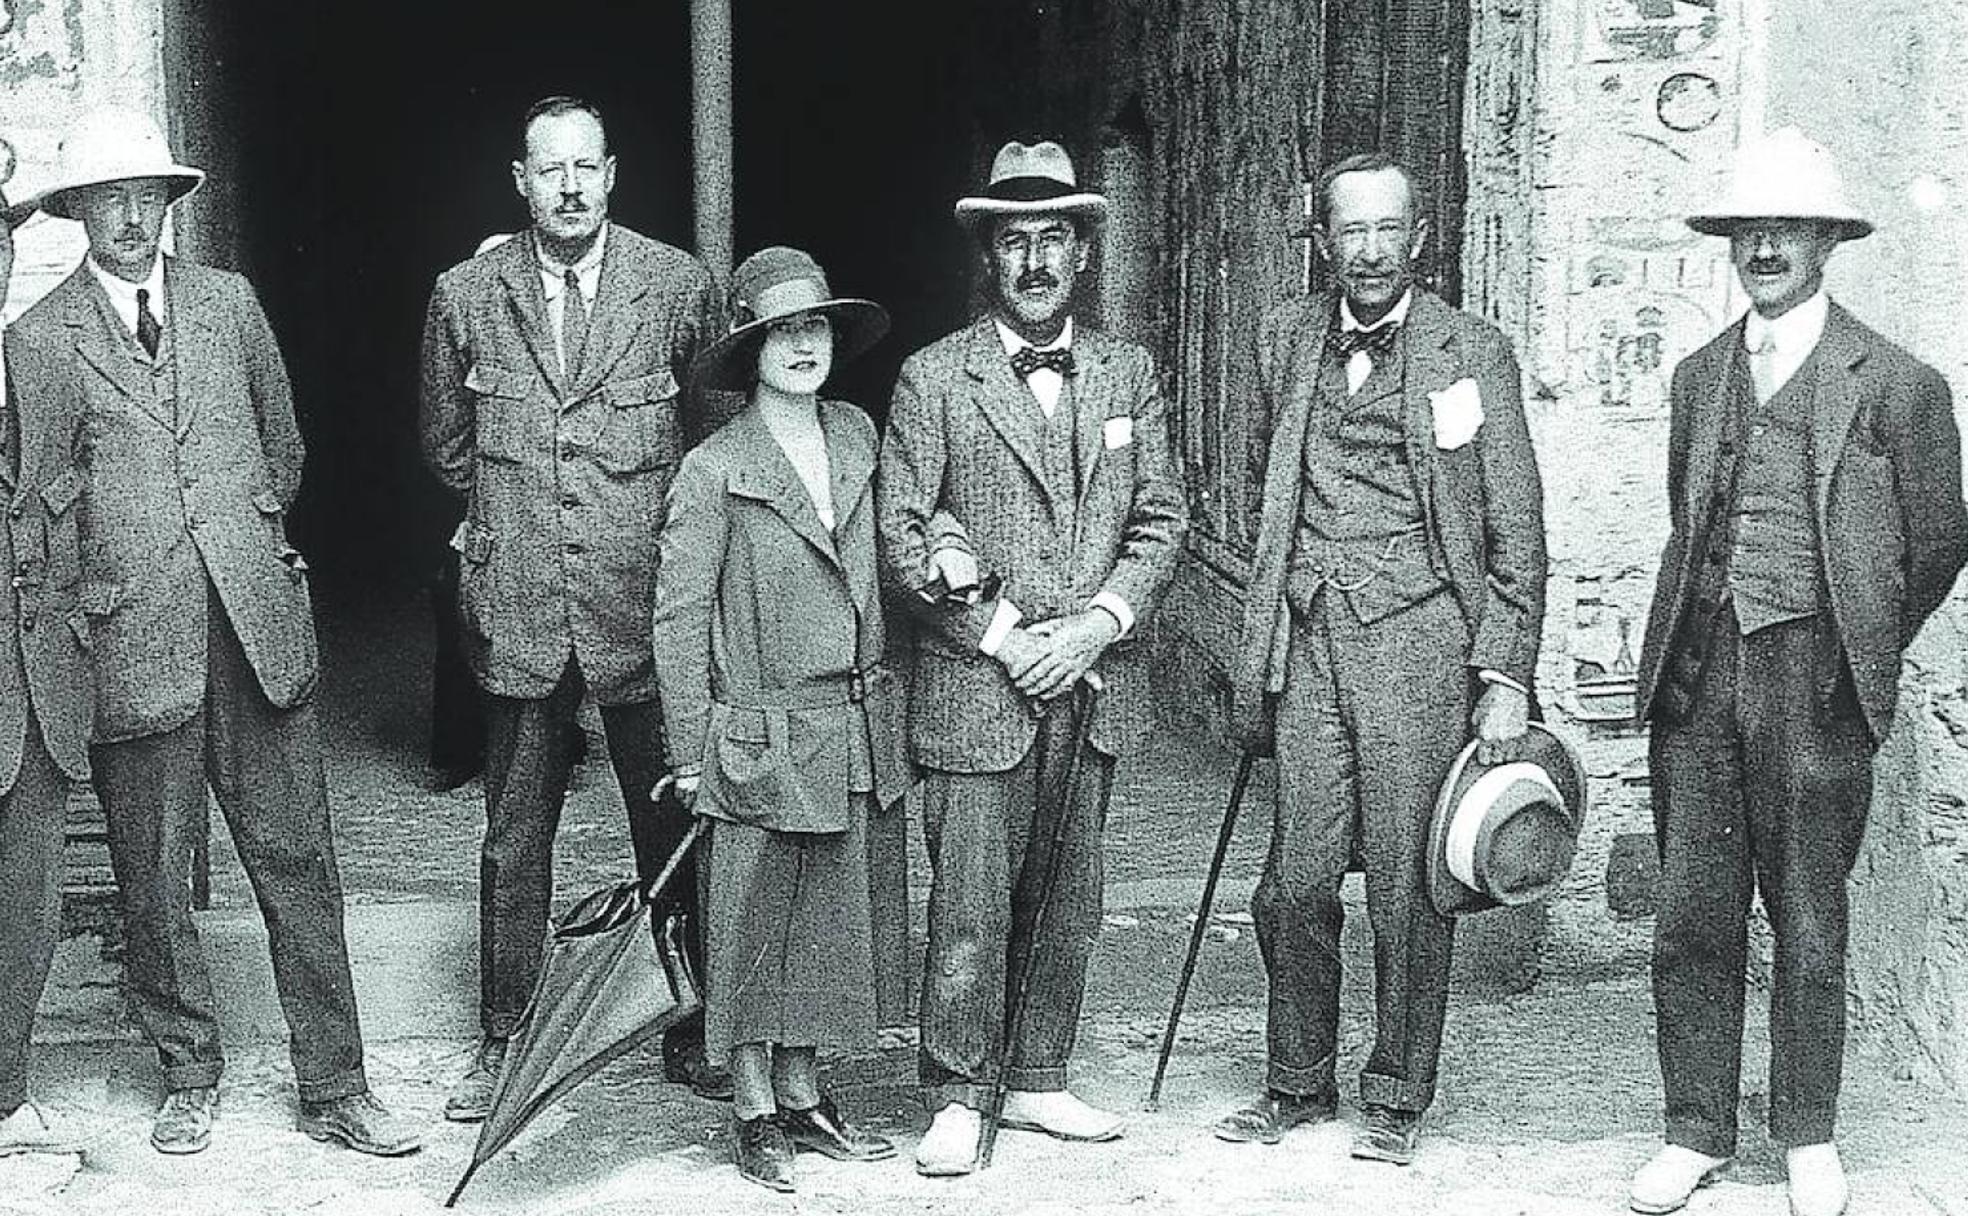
1504	834
15	214
1784	175
1031	179
113	145
772	285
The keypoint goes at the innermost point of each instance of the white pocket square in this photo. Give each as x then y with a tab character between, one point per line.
1117	432
1458	413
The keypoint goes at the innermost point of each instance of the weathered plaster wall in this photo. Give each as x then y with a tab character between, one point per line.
58	57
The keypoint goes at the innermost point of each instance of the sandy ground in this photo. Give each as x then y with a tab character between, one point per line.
1549	1097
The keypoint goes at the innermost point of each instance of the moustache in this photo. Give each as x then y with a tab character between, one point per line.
1768	265
131	233
1034	279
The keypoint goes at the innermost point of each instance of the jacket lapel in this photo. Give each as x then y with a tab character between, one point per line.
1710	416
527	301
1432	362
193	331
1006	402
1088	396
853	465
1838	393
766	476
611	328
97	333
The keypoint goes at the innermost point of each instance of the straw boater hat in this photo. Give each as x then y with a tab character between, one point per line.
112	145
1783	175
772	285
1031	179
1504	834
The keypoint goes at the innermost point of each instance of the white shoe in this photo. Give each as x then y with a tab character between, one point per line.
1817	1180
1664	1184
30	1130
949	1147
1058	1113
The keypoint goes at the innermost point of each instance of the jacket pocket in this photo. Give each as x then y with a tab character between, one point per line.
639	428
473	544
61	539
499	411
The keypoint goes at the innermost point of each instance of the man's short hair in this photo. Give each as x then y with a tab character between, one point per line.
1369	162
560	103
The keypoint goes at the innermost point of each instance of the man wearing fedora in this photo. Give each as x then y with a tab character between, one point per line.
551	405
1394	613
198	621
1814	490
44	719
1038	448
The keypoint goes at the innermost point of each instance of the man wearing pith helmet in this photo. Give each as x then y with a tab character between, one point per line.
1814	489
198	617
1037	448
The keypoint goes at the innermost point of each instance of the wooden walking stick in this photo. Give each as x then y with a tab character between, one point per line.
1223	835
1088	694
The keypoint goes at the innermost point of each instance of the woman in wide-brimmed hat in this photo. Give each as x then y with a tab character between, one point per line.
783	725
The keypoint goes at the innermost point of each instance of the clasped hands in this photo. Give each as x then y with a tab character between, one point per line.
1046	659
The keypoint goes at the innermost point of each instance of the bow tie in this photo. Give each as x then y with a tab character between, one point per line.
1377	341
1026	360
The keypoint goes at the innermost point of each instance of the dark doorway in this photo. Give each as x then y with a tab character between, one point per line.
367	145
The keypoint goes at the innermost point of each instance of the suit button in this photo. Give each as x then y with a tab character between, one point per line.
568	500
16	511
575	546
566	453
194	521
27	622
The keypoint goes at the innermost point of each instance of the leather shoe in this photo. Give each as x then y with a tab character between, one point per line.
471	1098
1058	1114
1817	1180
821	1128
1388	1135
1676	1172
1267	1118
949	1147
30	1130
361	1123
183	1123
762	1152
686	1064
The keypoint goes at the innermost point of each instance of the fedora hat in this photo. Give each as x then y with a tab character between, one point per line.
1504	834
113	145
1784	175
1031	179
772	285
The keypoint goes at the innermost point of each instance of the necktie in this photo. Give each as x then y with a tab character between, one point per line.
1763	367
1026	360
149	333
573	325
1376	342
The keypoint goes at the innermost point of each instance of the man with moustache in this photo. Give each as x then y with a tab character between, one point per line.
1814	489
44	720
1394	610
198	621
551	406
1039	448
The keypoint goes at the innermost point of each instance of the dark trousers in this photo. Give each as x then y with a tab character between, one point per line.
1764	786
529	749
1370	720
989	838
457	738
264	764
31	833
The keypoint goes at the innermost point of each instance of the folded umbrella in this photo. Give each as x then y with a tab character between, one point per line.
610	981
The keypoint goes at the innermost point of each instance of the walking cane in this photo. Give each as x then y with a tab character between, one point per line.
1223	835
1089	695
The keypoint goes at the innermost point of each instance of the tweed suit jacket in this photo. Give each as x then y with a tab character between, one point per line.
768	627
44	666
1482	501
172	497
1885	459
963	448
563	482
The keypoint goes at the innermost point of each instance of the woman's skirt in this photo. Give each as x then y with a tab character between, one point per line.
788	941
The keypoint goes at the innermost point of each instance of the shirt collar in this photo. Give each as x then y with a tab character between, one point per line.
1795	332
1013	343
553	275
123	293
1395	315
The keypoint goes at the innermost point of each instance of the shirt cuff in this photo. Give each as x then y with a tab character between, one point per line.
1004	618
1496	677
1117	608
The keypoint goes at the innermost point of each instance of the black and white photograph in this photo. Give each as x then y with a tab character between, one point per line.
1167	607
